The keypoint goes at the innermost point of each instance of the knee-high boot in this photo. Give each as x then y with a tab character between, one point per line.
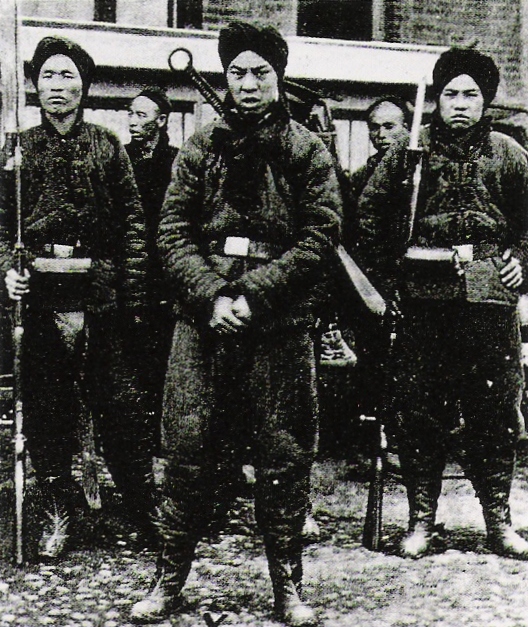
281	512
423	481
164	597
286	578
493	491
182	515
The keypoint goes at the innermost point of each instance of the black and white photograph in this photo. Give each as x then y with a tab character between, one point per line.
264	313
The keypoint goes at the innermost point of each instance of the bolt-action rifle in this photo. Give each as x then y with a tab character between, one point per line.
12	104
372	531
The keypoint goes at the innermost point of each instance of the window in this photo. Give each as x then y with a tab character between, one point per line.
105	10
360	20
185	13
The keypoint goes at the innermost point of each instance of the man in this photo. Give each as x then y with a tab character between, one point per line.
388	123
152	158
80	208
250	219
459	266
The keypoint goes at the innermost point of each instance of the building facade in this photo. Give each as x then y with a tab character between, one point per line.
351	51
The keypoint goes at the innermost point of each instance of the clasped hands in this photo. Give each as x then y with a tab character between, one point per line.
230	315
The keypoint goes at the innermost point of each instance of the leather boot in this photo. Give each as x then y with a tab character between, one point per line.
286	581
164	597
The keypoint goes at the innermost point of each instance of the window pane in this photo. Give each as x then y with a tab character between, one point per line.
336	19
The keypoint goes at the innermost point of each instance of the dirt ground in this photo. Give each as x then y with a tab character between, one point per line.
462	584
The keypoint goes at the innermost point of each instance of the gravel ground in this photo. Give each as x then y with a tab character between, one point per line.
462	584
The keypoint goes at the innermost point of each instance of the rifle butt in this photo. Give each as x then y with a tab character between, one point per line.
372	529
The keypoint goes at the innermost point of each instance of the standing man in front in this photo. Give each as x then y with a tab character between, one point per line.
459	265
152	157
80	205
250	220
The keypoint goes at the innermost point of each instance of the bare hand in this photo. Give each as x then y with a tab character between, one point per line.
225	319
241	309
17	285
512	273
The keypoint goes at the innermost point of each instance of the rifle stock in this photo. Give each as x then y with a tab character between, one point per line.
372	529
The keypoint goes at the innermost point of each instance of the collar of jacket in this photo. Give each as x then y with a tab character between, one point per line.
162	146
51	130
459	145
250	125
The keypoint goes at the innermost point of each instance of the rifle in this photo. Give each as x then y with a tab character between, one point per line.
372	529
319	119
12	102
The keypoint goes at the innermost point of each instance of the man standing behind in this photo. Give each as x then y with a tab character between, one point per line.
152	157
388	123
79	200
250	221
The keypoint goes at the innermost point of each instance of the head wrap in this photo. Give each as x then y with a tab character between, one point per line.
458	61
158	97
266	41
50	46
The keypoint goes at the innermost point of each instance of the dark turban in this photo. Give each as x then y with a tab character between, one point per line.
158	97
457	61
50	46
266	41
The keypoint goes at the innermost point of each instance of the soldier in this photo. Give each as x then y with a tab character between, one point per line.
152	157
459	273
79	200
250	219
388	123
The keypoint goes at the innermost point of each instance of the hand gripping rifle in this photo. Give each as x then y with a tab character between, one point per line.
313	112
12	103
372	530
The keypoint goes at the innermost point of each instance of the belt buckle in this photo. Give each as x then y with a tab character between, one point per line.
464	252
236	246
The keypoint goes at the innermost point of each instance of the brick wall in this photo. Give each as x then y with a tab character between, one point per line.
280	13
495	25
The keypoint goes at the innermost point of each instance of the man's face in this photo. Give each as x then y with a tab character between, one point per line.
386	126
253	82
144	119
59	86
461	102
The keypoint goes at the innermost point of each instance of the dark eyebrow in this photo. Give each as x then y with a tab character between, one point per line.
257	68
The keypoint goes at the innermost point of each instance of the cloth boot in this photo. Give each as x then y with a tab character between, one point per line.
164	597
423	502
286	579
493	492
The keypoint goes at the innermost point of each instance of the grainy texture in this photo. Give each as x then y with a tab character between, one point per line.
462	585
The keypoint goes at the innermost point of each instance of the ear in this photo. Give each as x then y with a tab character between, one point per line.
162	120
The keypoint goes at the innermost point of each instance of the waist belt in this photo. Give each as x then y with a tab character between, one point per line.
243	247
462	252
476	252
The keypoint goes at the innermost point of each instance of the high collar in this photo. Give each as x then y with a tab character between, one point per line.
51	130
459	144
245	124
